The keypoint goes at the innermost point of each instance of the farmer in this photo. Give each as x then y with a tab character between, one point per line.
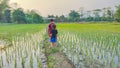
52	32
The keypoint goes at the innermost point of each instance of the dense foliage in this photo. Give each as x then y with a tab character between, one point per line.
117	15
18	15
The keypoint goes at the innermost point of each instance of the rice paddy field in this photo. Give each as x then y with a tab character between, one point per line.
86	45
21	46
91	45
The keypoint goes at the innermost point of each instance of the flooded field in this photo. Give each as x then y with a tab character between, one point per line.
92	48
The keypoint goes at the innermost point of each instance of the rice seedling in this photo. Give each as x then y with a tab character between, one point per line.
38	62
23	62
85	48
93	48
31	61
15	64
25	47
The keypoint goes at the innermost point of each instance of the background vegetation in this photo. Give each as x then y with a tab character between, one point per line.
18	15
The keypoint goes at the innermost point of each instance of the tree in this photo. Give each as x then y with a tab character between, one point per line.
8	15
33	17
109	16
109	13
62	18
29	17
56	18
74	16
51	16
104	14
96	13
19	16
81	10
89	17
36	17
117	14
3	6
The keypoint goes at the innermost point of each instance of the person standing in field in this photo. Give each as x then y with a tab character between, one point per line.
50	26
52	32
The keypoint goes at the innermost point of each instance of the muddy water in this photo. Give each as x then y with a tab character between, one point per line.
87	53
80	59
3	43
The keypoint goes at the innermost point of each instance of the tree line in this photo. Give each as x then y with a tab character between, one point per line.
18	15
97	15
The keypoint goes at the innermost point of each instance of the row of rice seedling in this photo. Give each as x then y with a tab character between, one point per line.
91	49
25	52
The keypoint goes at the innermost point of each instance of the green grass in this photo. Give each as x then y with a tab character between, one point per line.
7	31
51	61
21	28
108	27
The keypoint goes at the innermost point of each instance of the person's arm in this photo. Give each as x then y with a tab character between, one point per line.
48	28
51	33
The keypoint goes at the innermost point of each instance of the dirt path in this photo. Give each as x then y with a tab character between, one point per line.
61	61
55	58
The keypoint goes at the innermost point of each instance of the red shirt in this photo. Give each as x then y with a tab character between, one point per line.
50	28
